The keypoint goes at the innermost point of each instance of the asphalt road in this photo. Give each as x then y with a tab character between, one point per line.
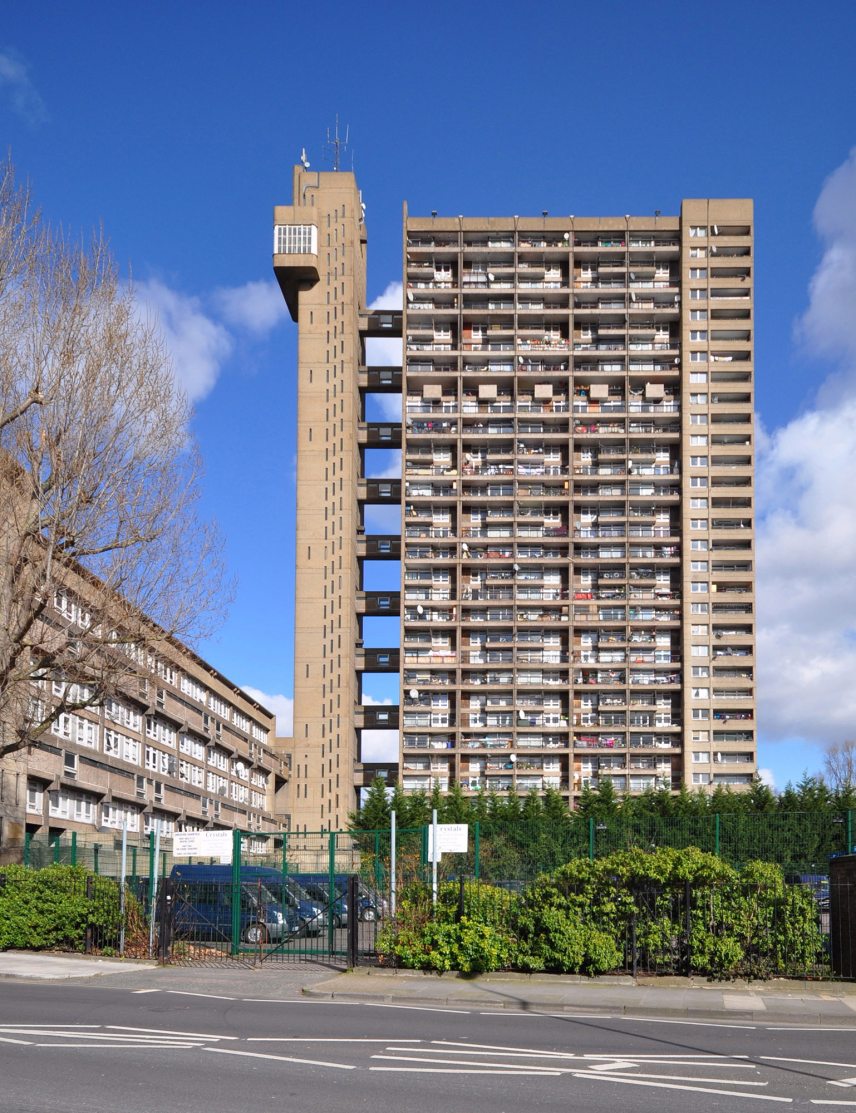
94	1049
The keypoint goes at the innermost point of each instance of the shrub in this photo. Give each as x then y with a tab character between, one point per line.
49	908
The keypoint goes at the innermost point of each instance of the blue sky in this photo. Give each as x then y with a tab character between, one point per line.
176	126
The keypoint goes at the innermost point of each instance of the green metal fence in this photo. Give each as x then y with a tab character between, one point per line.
800	842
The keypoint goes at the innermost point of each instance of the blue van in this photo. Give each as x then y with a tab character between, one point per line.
271	910
317	886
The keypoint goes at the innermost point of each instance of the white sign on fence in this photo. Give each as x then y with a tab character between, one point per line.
203	844
452	838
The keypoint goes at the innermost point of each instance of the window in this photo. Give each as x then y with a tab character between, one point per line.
698	231
701	778
698	272
698	439
698	314
701	693
701	712
700	587
698	252
699	651
35	798
700	544
698	376
700	631
698	357
701	671
698	399
698	295
698	481
295	239
698	608
700	756
698	566
698	334
698	504
698	523
698	461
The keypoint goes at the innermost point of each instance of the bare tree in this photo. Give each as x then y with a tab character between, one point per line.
839	765
102	557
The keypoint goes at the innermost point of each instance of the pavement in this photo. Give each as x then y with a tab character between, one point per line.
778	1000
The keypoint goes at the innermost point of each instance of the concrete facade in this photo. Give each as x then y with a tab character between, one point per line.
577	548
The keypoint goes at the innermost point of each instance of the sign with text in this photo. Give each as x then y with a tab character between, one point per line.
452	838
203	844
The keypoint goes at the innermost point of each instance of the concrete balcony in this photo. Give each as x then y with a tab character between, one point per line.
378	603
379	546
376	717
380	322
378	660
375	492
379	434
380	380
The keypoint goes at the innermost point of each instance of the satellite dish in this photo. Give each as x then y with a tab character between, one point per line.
465	546
632	296
516	567
566	236
521	714
520	359
420	609
304	159
716	229
410	295
490	276
512	758
413	693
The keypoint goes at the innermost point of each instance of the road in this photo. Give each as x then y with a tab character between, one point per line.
95	1049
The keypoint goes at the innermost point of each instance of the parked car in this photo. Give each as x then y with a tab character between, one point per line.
272	909
317	885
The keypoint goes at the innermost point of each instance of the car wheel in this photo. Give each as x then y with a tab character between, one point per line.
368	914
255	934
337	921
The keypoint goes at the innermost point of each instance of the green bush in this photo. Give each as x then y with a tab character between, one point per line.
580	919
49	908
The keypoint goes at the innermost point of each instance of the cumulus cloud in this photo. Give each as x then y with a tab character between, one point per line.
199	330
387	353
281	706
380	745
807	498
199	345
257	307
16	85
767	777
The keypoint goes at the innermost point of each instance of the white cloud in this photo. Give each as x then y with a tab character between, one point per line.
807	496
198	344
767	777
15	81
380	745
257	307
281	706
387	353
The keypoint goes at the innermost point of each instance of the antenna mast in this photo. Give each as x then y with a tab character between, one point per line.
337	144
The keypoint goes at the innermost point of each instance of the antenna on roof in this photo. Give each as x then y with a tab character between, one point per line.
337	144
303	159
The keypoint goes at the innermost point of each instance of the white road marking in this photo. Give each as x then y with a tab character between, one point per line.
278	1058
691	1023
541	1016
167	1032
319	1039
146	1046
467	1063
446	1070
145	991
812	1028
828	1101
847	1083
210	996
813	1062
411	1008
691	1089
25	1043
